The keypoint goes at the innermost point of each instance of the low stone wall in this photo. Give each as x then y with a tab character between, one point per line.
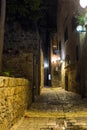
15	96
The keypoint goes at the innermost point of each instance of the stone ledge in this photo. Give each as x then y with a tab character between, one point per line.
58	114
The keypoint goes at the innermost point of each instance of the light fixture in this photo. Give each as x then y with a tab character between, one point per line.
54	59
80	28
49	76
59	58
46	65
83	3
63	128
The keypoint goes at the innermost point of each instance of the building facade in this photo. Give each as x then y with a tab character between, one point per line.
73	47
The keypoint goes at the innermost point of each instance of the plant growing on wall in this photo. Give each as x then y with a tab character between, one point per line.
81	19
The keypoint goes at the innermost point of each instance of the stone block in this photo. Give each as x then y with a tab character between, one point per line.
4	81
12	82
9	92
20	81
1	93
1	82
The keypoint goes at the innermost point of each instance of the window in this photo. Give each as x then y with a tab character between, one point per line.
66	34
77	53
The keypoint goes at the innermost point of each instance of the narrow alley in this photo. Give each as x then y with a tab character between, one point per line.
55	109
43	43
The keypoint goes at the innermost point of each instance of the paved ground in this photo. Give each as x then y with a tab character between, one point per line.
55	109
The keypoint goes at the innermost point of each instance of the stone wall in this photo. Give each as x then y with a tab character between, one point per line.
21	55
72	82
15	97
56	75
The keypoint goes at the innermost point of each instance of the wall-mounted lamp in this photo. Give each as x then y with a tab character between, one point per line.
80	28
83	3
55	58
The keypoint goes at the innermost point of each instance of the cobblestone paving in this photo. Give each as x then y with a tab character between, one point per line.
55	109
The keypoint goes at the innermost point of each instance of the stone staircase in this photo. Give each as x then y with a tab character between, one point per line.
75	124
58	121
51	123
69	124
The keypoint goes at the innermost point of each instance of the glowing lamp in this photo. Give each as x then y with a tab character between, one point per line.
46	65
54	59
83	3
59	58
79	28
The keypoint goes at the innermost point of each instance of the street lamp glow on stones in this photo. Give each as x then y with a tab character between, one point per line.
83	3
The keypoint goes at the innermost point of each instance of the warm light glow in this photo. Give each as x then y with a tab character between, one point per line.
63	128
63	66
61	61
79	28
59	58
83	3
63	54
55	58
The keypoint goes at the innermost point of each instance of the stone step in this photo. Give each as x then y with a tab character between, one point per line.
74	124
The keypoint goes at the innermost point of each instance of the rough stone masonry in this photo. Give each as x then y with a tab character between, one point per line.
15	96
